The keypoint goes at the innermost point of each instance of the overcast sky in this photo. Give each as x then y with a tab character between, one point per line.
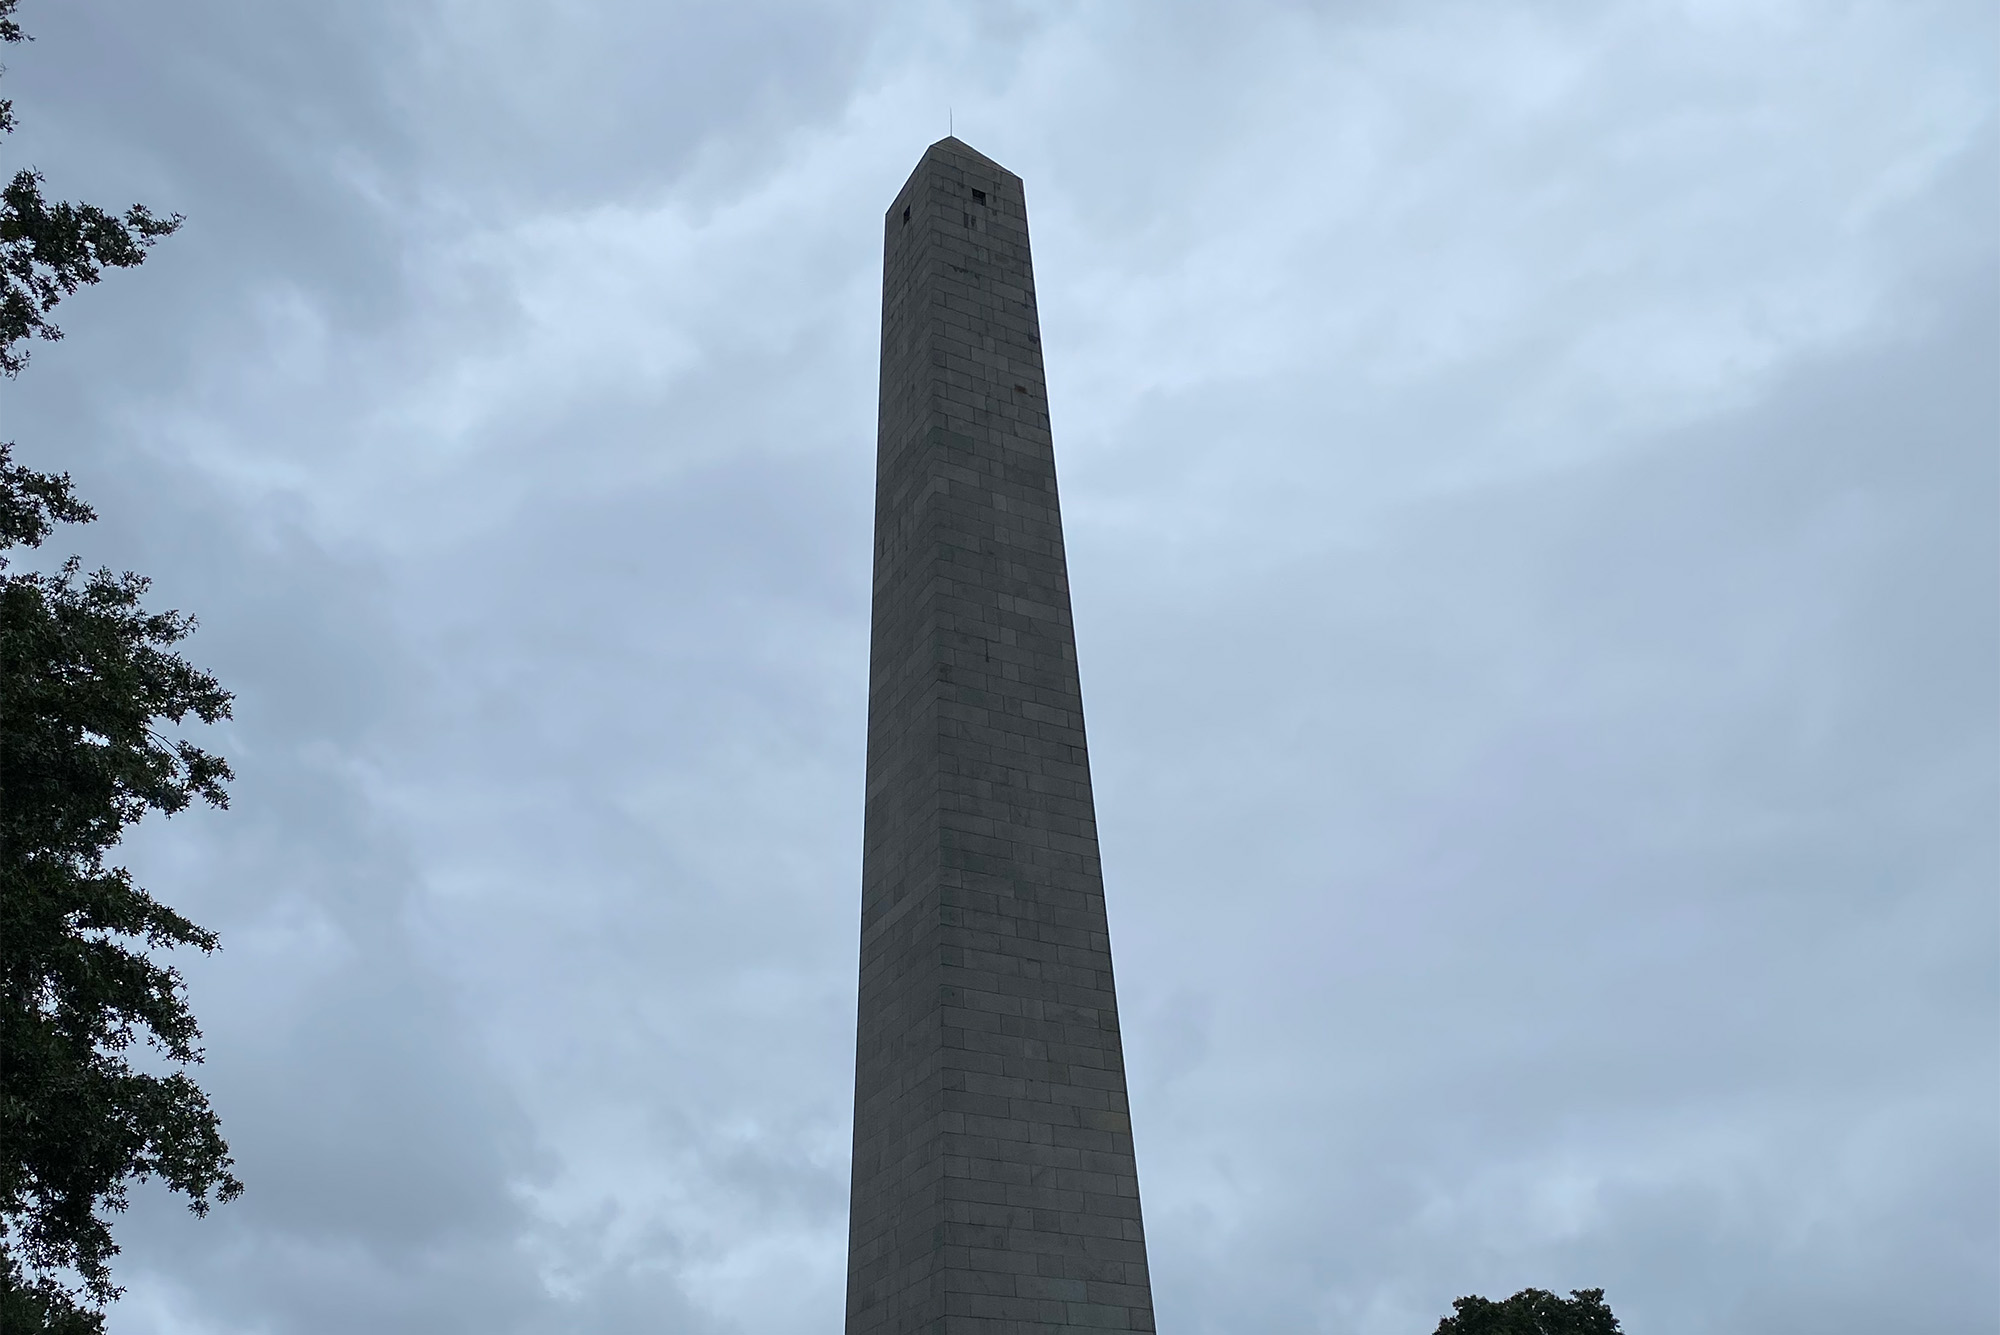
1530	479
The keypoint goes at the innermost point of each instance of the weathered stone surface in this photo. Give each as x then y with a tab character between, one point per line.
995	1191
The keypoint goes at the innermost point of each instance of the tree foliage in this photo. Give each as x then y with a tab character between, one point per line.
89	684
49	250
1532	1312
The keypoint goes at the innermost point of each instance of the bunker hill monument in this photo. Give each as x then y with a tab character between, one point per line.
994	1191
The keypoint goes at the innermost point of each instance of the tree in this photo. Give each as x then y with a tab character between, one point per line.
89	684
1532	1312
47	250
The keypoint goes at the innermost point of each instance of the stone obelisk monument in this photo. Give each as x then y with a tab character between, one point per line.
994	1186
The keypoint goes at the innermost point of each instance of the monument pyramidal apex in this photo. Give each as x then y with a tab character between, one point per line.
995	1190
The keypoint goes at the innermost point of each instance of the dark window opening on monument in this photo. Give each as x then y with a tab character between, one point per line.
906	215
979	196
1020	389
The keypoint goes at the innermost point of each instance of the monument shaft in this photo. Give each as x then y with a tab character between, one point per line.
994	1184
